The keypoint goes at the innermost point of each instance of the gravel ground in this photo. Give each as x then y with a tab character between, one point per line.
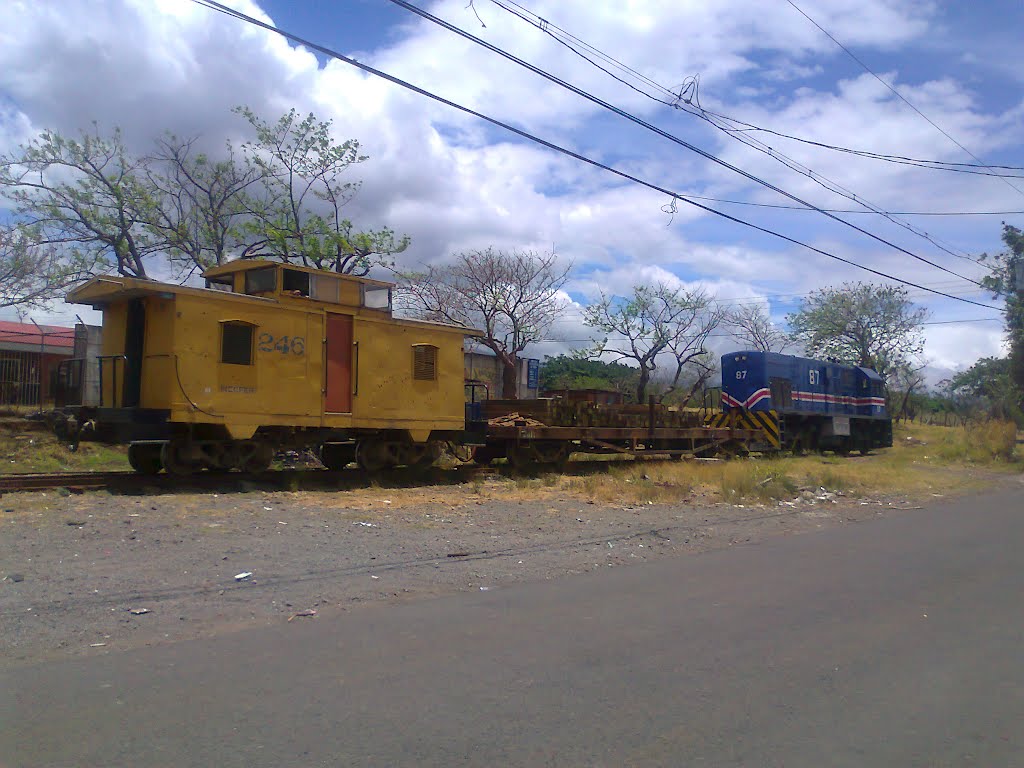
92	573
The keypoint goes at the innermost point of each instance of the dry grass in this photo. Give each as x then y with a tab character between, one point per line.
924	459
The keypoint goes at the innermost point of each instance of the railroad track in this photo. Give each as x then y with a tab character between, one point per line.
294	479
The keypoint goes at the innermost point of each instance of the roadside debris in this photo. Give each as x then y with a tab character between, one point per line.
365	525
243	575
308	612
138	611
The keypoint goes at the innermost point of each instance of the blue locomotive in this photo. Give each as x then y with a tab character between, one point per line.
803	404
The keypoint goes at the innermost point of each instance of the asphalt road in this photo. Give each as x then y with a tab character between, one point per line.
897	642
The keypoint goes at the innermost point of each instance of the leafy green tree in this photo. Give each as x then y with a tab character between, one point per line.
988	388
88	195
33	273
573	372
657	323
280	196
1007	281
299	215
875	326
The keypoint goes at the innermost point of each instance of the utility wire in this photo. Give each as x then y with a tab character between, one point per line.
691	105
675	99
899	95
649	126
219	7
730	335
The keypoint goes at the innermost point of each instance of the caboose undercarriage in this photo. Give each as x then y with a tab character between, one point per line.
156	443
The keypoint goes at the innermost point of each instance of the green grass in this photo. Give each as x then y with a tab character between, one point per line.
38	451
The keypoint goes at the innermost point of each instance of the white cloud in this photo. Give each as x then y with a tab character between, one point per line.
453	183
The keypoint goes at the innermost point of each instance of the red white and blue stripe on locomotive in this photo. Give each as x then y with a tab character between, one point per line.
762	381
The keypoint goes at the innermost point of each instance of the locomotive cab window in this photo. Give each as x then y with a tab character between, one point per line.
424	362
236	339
261	280
295	283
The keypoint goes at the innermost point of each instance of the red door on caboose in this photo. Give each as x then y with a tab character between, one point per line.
339	364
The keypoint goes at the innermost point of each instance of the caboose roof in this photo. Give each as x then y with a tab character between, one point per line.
244	265
108	289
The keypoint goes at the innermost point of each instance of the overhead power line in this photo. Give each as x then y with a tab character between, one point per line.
653	128
899	95
219	7
676	99
691	105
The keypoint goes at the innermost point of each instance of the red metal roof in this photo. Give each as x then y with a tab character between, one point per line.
28	333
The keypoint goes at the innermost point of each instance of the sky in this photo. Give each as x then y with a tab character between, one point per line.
453	182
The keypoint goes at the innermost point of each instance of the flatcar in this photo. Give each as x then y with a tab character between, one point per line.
803	404
268	356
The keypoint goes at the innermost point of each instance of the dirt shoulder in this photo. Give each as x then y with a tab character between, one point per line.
94	573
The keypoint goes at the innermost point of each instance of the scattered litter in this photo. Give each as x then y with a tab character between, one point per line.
374	577
485	589
134	514
96	645
365	525
281	522
309	612
269	509
386	501
243	575
138	611
77	522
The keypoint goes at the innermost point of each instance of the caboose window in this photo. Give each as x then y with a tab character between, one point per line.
376	297
424	362
261	280
296	282
236	343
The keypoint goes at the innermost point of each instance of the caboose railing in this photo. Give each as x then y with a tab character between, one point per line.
112	362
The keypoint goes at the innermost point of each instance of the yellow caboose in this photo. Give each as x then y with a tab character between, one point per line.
268	356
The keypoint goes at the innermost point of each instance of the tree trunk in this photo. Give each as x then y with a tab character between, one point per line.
641	385
509	378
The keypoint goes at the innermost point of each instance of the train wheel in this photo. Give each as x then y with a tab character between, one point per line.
429	454
522	458
178	459
257	456
144	458
374	455
553	454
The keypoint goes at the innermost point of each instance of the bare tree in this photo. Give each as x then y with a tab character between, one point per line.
86	194
655	322
512	296
32	273
751	324
903	382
